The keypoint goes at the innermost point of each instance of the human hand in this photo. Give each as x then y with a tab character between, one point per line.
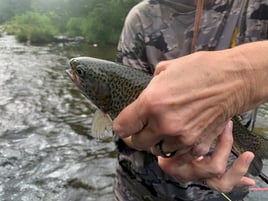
191	98
212	168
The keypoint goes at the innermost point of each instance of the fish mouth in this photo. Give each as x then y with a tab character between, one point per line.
73	77
70	74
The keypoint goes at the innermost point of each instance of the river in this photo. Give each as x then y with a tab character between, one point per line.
45	150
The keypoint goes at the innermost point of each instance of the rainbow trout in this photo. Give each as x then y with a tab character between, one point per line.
111	86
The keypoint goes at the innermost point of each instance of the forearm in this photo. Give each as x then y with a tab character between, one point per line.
233	80
251	62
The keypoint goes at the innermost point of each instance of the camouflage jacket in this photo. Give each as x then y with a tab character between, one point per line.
158	30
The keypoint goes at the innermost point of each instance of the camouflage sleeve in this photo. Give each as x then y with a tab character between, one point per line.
131	49
255	26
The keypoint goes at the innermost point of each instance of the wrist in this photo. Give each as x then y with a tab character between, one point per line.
251	62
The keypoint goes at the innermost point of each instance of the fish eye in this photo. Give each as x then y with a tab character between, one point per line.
80	71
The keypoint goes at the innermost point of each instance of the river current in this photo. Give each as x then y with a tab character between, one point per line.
45	150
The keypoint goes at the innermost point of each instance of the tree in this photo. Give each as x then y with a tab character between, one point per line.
10	8
106	18
98	21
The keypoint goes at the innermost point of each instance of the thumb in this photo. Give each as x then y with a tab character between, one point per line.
130	120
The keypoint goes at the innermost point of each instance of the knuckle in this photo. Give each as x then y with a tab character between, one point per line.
187	140
200	150
151	101
168	129
218	169
161	66
204	150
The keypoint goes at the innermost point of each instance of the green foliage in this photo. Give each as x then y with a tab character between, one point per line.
104	21
98	21
33	27
76	26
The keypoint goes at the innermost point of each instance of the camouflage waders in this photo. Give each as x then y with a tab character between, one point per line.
157	30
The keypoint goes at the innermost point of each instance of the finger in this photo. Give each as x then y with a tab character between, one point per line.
145	138
179	167
189	167
215	165
235	175
130	120
246	181
161	66
239	167
203	147
188	158
223	146
172	167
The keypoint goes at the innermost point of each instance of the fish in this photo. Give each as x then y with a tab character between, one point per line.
110	87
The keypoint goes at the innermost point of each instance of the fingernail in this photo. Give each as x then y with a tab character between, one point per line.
250	158
230	124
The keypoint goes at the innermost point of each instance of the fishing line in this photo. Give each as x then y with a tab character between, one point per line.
258	189
226	197
251	189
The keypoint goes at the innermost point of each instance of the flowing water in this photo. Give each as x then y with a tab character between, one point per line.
45	151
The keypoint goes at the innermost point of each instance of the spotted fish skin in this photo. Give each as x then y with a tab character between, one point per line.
245	140
111	87
108	85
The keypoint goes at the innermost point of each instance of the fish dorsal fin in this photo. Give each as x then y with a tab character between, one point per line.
101	124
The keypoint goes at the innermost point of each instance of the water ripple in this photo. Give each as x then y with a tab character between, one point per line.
46	152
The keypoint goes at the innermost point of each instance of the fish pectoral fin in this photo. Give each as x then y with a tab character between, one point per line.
101	124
